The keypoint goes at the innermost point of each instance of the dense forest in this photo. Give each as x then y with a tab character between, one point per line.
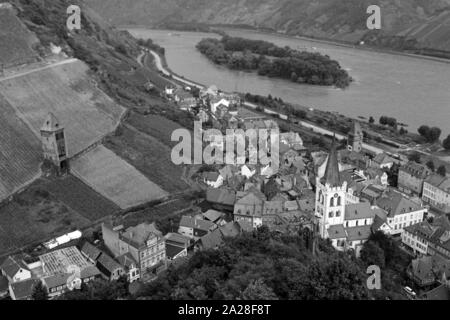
273	61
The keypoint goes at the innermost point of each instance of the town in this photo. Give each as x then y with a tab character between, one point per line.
100	198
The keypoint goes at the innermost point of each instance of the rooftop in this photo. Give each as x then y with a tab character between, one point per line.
58	261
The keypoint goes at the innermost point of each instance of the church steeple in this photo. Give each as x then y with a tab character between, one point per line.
332	176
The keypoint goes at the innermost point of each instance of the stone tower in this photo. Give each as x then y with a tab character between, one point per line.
331	192
54	143
355	137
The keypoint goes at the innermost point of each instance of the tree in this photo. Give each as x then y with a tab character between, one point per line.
424	131
434	134
402	131
415	156
430	165
446	143
39	292
372	254
258	290
442	170
371	120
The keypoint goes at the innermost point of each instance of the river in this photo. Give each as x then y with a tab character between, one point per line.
414	90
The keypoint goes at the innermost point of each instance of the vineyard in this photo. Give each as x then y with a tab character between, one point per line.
114	178
86	112
16	40
20	152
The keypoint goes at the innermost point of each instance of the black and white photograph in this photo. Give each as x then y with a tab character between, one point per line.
224	158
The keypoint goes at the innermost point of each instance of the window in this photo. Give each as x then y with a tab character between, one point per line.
339	201
357	222
332	202
338	213
331	214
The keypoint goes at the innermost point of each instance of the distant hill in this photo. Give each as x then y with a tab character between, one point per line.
424	23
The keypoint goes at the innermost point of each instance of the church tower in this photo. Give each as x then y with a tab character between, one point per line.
355	137
54	142
331	193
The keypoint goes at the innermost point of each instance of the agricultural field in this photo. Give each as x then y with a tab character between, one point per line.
155	125
16	41
35	215
20	152
86	113
114	178
149	156
80	197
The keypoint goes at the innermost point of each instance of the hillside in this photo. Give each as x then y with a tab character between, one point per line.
16	41
345	20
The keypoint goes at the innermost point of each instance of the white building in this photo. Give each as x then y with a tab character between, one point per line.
436	192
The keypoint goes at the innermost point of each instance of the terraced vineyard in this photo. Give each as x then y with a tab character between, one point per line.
20	152
86	112
114	178
16	40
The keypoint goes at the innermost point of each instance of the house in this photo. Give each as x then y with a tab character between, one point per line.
215	103
213	216
90	252
107	265
110	267
401	211
57	267
194	228
221	199
176	245
429	238
436	192
292	140
144	242
428	270
211	240
250	208
22	290
411	177
213	179
15	270
130	266
383	161
441	292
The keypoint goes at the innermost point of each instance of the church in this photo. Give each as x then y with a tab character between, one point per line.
341	216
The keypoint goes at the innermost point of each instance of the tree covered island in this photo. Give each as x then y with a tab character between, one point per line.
273	61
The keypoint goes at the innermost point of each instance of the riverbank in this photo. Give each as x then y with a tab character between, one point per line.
342	44
220	29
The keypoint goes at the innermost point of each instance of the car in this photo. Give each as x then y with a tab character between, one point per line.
409	291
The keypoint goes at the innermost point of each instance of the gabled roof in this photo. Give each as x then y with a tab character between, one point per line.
395	203
416	169
361	210
383	158
191	222
336	231
212	215
441	292
12	265
172	251
126	260
358	233
439	181
140	234
221	196
91	251
212	239
108	263
177	238
23	289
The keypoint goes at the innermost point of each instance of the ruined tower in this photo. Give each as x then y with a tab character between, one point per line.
54	143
